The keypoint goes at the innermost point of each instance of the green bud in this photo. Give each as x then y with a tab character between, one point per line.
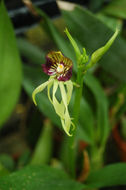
82	58
96	56
74	44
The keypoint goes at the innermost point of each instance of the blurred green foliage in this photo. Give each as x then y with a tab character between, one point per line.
10	67
91	31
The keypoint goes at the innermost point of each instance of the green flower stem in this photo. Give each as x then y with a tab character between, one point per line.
97	154
73	140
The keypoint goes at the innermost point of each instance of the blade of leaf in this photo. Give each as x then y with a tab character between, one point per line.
10	67
111	175
39	177
111	22
116	8
42	152
103	127
30	51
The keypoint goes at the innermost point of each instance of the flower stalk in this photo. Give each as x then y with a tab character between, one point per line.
73	141
81	59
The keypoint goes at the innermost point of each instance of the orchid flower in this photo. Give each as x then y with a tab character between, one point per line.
59	68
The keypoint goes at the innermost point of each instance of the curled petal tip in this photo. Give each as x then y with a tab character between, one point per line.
33	97
70	135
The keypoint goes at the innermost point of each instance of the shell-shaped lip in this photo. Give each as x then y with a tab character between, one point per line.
53	60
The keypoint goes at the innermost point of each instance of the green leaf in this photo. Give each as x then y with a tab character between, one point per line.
39	177
111	175
85	130
3	170
116	8
111	22
7	162
42	152
31	52
95	5
102	125
10	67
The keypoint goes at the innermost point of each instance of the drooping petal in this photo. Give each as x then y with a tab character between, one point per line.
69	86
49	87
39	89
66	128
59	107
66	122
63	93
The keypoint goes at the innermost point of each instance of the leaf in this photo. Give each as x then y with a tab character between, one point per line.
85	130
10	67
7	162
42	152
102	126
95	5
39	177
30	51
3	170
111	22
111	175
116	8
91	33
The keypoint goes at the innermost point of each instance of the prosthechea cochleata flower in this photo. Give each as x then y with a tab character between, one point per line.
59	68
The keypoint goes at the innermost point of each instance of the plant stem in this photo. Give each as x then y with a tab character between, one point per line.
97	157
73	140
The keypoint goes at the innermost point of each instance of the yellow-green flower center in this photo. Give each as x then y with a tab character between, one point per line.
60	68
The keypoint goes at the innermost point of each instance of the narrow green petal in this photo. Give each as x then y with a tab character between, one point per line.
96	56
65	129
63	93
67	120
39	89
59	107
49	87
69	86
66	123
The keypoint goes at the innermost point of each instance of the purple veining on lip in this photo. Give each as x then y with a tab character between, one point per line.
53	59
65	77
